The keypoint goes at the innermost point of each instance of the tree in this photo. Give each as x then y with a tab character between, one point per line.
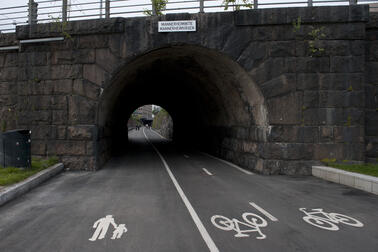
158	5
236	4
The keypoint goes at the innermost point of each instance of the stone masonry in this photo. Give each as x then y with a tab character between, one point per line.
314	93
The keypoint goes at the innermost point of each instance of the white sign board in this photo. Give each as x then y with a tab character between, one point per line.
177	26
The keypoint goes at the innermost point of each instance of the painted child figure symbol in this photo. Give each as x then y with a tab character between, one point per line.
102	226
118	232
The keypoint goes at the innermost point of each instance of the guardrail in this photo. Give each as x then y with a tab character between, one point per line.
41	11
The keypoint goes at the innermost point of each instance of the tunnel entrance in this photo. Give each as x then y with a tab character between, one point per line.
212	100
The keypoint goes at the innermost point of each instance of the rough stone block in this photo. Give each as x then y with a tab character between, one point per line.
371	73
330	151
326	134
34	117
281	49
80	132
79	163
95	74
42	132
59	117
93	41
81	110
9	73
281	85
106	59
310	99
60	132
38	147
343	82
371	118
308	81
312	64
349	64
66	72
371	97
349	134
81	56
86	88
345	31
33	58
285	109
269	69
339	99
253	55
62	147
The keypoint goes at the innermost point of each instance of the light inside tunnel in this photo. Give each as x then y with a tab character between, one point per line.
207	94
154	117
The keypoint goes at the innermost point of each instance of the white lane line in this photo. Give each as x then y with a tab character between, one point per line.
186	156
207	172
158	134
201	228
264	212
230	164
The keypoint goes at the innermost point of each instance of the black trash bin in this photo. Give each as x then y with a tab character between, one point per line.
15	148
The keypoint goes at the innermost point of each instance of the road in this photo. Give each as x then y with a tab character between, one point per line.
186	201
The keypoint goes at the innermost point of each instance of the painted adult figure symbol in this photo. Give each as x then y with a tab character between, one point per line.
102	226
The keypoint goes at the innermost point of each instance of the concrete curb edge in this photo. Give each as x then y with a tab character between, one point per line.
355	180
28	184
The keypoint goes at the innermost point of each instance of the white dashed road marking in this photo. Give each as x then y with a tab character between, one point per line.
264	212
207	172
230	164
205	235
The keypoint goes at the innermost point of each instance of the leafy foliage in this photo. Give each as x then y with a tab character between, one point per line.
159	6
237	4
314	44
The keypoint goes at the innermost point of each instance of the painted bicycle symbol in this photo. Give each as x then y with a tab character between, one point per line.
253	222
318	218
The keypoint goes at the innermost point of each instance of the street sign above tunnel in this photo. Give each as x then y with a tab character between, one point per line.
177	26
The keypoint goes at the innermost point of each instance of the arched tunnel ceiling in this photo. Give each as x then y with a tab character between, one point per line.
199	87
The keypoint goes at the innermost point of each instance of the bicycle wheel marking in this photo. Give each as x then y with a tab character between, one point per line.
328	221
250	223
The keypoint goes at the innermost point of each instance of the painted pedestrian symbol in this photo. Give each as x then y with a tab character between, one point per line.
318	218
118	232
102	226
251	223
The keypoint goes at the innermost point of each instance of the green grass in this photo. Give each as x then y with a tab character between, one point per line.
11	175
366	169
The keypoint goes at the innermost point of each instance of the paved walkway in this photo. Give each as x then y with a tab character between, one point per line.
161	198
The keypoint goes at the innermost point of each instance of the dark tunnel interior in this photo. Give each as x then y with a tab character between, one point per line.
205	93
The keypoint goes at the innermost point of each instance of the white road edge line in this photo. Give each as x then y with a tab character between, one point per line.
264	212
207	172
230	164
201	228
158	134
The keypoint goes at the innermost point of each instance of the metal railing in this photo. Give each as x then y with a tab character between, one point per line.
42	11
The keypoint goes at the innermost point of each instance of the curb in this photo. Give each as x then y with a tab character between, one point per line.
355	180
23	187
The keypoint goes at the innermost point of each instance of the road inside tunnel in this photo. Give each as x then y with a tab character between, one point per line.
207	94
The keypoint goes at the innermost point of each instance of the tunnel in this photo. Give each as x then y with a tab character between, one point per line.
207	94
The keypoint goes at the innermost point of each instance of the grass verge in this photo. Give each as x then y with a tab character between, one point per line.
366	169
12	175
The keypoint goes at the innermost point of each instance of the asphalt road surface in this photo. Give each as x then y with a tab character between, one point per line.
172	200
